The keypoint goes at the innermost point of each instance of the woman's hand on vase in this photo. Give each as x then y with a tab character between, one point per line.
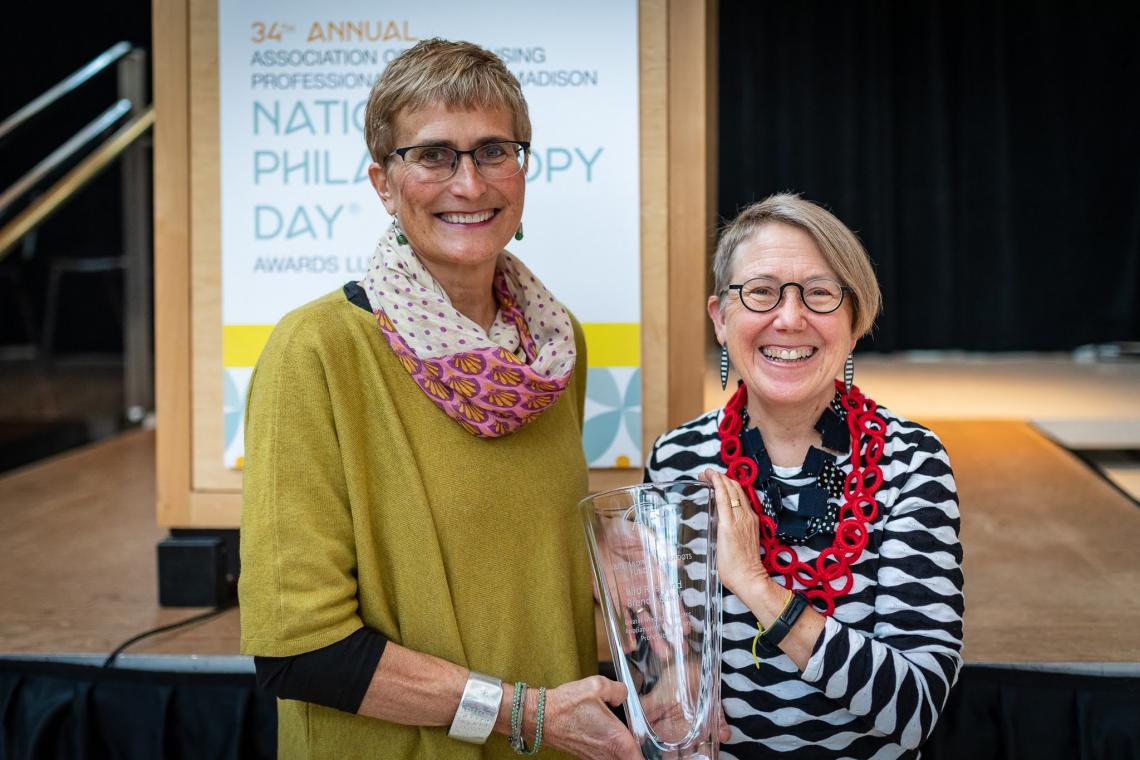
738	533
579	721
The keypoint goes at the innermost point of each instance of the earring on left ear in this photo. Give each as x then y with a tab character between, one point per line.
401	238
849	372
519	232
724	366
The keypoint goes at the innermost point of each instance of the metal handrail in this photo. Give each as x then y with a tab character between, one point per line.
59	193
63	153
28	112
125	146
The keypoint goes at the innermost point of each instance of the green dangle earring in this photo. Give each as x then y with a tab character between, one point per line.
519	232
401	238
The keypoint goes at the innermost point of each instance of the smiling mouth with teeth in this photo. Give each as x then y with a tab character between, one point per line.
787	354
475	218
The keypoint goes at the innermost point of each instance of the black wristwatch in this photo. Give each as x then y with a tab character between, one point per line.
769	641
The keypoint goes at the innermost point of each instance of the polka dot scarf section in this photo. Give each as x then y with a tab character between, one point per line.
491	383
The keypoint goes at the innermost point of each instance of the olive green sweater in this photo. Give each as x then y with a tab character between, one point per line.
365	505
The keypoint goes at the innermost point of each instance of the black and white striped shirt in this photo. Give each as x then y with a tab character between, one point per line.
882	669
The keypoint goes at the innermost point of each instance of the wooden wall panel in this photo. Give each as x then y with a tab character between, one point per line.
690	224
172	261
207	473
653	26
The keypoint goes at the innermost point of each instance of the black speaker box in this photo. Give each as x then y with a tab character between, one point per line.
192	572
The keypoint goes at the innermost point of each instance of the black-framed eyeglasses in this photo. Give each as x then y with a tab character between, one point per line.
822	295
493	160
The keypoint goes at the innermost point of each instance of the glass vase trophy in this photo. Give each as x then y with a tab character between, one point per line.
653	550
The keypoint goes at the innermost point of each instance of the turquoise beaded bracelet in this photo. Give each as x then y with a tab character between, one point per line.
516	716
518	704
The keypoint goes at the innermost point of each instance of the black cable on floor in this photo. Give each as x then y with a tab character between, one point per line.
110	661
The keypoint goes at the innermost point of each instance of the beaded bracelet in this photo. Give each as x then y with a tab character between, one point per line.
538	722
516	716
518	744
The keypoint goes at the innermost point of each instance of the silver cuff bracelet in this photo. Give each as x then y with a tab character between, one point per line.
478	709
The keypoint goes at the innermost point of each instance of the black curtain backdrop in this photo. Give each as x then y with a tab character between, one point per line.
987	153
995	713
51	711
54	711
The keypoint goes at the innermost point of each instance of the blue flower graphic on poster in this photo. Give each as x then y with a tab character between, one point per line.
233	411
612	435
233	405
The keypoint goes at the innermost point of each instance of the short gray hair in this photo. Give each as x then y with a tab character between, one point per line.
839	246
456	75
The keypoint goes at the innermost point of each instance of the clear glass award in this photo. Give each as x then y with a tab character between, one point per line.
653	550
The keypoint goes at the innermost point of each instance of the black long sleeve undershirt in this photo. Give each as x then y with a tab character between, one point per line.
335	676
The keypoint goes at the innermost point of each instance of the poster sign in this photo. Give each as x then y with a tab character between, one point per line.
300	219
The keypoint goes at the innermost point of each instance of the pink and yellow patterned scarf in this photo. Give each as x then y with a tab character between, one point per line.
490	383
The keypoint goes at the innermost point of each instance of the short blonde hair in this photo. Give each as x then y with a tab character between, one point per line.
456	75
839	246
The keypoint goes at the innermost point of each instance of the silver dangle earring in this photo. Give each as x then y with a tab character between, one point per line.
401	238
724	366
519	232
849	372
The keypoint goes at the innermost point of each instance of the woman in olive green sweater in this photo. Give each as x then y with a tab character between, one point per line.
411	555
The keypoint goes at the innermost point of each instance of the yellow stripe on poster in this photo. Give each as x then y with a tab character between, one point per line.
613	344
608	344
242	344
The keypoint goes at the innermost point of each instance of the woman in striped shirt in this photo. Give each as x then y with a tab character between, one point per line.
838	520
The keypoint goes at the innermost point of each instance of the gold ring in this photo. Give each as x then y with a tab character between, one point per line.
734	503
643	608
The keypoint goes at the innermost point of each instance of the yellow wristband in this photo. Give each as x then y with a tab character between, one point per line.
760	631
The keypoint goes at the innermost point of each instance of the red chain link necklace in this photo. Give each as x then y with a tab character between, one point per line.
829	576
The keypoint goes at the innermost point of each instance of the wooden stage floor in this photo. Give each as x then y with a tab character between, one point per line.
78	555
1052	567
